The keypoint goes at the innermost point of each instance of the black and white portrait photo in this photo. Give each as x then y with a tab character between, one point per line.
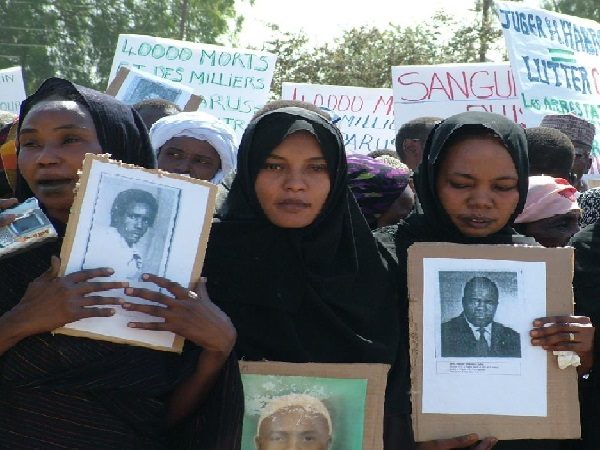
139	89
131	228
469	303
136	221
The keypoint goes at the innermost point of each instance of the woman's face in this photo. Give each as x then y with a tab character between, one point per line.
55	135
477	184
189	156
553	231
293	183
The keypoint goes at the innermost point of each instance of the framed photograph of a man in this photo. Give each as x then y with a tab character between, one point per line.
322	406
136	221
473	367
132	86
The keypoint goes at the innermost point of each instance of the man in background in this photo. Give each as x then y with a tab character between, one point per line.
581	134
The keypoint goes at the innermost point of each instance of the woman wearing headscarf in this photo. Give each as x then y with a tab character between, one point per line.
551	213
293	262
65	392
380	189
472	184
196	144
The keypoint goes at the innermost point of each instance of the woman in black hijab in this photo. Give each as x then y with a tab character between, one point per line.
472	183
59	391
293	262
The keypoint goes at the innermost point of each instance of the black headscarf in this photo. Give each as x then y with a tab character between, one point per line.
435	224
317	294
121	132
60	391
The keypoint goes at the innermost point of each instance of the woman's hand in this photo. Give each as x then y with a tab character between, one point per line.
4	204
468	441
190	314
51	301
566	333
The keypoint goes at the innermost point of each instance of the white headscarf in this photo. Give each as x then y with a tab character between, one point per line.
202	126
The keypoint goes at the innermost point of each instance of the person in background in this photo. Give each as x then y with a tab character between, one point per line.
589	202
551	213
411	138
581	133
381	190
196	144
389	153
550	152
152	110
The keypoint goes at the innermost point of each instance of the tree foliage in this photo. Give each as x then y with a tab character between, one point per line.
76	39
363	56
589	9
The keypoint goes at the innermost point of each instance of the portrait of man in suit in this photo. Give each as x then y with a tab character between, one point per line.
474	333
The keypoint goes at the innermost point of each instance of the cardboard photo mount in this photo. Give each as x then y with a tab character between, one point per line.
375	374
562	421
70	236
117	83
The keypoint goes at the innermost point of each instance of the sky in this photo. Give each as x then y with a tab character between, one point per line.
323	20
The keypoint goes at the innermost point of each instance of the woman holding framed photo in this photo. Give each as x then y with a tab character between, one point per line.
59	391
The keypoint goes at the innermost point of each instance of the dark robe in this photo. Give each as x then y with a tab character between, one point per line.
317	294
434	225
586	287
62	392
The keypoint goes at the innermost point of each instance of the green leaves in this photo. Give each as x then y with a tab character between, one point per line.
76	39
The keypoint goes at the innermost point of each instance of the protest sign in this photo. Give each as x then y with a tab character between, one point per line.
556	63
12	89
365	114
233	83
447	89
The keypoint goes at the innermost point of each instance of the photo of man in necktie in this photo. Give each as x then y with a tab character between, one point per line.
474	333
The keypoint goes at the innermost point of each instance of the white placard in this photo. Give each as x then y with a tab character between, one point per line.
447	89
512	378
366	114
233	83
12	89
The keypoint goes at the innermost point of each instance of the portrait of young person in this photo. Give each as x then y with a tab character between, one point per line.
472	184
62	392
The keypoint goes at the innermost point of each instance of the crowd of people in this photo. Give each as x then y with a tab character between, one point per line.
306	262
